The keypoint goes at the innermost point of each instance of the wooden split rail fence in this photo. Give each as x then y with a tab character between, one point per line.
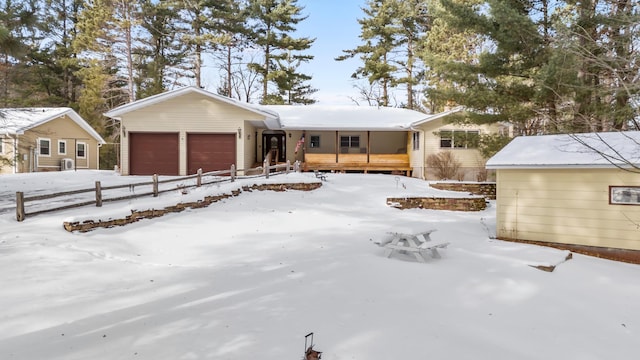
154	187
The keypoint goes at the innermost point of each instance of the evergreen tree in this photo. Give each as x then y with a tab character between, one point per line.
378	36
160	56
600	37
17	21
497	85
273	23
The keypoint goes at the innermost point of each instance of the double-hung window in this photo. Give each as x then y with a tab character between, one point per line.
62	147
44	147
81	150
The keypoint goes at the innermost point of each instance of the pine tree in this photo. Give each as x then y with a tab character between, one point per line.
18	23
499	84
377	34
161	56
273	23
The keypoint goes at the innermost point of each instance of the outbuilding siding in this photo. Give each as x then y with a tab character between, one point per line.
568	206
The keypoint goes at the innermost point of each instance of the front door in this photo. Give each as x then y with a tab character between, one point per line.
276	145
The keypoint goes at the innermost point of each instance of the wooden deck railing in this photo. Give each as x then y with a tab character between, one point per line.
357	162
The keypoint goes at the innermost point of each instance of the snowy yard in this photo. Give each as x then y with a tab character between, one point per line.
249	277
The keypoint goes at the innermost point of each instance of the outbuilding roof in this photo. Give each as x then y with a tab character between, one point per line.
591	150
16	121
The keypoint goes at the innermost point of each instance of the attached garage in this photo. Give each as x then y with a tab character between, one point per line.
210	152
154	153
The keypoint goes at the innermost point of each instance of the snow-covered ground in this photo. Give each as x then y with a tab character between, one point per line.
250	276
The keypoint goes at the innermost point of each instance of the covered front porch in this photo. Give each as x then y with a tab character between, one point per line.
356	151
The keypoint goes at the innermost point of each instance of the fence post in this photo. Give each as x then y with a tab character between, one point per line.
266	169
20	215
296	166
98	194
199	182
155	185
232	172
288	166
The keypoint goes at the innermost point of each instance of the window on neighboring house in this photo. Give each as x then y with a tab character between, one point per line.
459	139
44	147
62	147
81	149
315	141
350	141
416	140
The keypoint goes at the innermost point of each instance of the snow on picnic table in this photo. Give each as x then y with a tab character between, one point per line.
249	276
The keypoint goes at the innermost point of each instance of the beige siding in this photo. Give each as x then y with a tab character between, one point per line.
566	206
191	113
471	160
62	129
7	152
327	142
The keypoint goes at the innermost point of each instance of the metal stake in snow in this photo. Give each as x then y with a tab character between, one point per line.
309	353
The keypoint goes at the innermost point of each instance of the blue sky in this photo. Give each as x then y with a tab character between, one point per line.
334	24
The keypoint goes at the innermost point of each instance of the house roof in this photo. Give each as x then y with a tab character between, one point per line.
17	121
592	150
346	117
271	118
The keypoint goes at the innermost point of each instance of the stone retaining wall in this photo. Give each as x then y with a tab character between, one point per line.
433	203
136	215
488	189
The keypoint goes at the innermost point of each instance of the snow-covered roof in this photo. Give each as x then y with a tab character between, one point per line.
271	118
350	117
17	121
610	149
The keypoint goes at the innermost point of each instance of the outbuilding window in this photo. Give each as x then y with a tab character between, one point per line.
624	195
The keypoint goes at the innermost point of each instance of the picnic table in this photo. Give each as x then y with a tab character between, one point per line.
417	244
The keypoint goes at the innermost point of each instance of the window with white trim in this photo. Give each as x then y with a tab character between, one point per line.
62	147
81	150
44	147
416	140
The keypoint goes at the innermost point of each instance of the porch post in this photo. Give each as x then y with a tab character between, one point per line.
337	146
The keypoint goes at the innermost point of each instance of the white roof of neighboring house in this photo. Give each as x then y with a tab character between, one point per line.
17	121
271	118
591	150
350	117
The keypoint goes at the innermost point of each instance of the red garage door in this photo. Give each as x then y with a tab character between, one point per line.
210	152
154	153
